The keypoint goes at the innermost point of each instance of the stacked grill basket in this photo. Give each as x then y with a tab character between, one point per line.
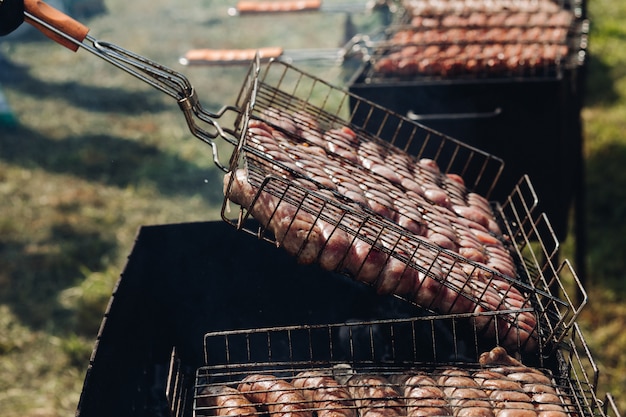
359	290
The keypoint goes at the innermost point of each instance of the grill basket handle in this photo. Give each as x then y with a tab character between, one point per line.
58	20
453	116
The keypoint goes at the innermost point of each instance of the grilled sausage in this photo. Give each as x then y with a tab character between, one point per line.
498	356
294	229
343	142
470	402
533	377
279	119
422	395
437	196
277	396
431	290
532	383
225	401
379	202
472	214
397	277
437	235
326	395
375	396
408	217
336	247
473	254
551	404
508	395
464	395
308	128
365	260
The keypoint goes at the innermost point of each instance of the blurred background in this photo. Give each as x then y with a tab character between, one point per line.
89	154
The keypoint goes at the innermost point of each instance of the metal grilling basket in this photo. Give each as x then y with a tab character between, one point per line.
285	93
388	352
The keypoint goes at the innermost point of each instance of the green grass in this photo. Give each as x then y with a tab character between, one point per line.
97	154
604	119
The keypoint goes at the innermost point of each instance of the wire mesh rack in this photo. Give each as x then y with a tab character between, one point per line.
308	213
270	364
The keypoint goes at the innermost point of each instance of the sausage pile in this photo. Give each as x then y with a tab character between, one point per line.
450	38
500	387
364	208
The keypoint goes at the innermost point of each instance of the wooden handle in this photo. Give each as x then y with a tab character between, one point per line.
277	6
230	56
58	20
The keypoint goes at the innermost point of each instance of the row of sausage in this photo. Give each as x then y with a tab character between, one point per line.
478	59
481	19
499	388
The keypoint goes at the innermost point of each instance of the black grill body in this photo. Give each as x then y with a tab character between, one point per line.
184	280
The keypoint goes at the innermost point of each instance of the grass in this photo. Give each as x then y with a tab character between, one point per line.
97	154
604	118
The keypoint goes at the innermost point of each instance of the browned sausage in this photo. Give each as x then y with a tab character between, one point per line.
498	356
438	196
506	396
277	396
539	388
529	377
336	247
295	230
375	396
280	119
397	277
516	410
365	260
225	401
464	395
422	396
467	402
473	214
328	397
550	405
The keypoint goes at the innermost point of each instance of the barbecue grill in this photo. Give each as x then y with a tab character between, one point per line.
185	291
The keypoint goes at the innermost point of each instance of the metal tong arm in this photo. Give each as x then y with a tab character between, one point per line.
72	34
